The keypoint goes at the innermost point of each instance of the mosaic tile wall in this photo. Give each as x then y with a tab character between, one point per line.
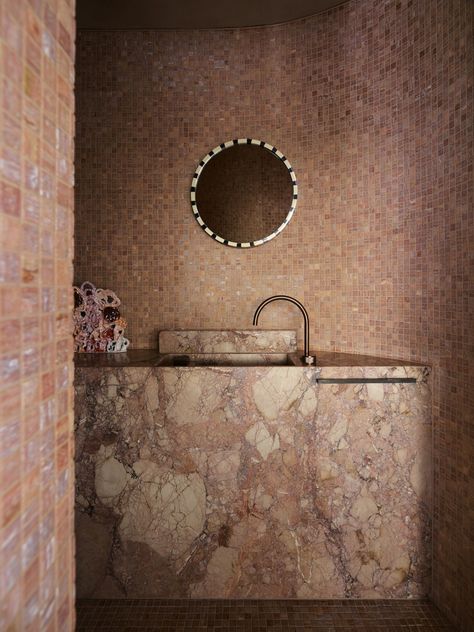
372	104
36	245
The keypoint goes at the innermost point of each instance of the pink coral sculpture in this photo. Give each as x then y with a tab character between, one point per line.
98	325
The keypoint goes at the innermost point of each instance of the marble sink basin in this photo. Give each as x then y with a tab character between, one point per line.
228	359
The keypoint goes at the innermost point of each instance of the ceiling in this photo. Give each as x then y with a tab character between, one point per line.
194	14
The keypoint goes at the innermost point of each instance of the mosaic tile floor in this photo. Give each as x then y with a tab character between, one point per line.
147	615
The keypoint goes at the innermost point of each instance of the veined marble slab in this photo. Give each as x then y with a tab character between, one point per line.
231	341
250	482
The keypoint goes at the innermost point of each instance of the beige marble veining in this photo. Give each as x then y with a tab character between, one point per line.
251	482
227	341
420	373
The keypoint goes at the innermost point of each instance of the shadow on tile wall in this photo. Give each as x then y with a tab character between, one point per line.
371	103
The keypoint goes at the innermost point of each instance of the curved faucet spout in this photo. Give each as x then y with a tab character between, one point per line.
282	297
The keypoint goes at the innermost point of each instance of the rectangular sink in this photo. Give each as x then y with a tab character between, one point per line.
227	359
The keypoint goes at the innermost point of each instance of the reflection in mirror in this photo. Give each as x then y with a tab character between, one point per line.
244	193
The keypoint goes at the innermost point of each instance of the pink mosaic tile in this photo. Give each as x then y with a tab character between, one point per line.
36	490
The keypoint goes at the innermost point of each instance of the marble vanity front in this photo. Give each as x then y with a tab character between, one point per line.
252	481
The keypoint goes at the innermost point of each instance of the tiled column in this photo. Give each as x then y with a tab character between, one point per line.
36	227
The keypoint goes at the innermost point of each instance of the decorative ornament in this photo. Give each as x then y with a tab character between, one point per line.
98	325
111	314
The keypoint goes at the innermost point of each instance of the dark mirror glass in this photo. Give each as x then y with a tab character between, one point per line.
245	193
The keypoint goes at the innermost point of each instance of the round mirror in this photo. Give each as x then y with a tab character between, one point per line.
244	193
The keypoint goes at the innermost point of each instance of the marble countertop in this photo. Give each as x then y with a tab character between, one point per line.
132	357
151	357
336	359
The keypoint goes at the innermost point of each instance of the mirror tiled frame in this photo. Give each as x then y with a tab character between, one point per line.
212	154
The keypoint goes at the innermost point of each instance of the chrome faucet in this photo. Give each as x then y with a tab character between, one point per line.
308	359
